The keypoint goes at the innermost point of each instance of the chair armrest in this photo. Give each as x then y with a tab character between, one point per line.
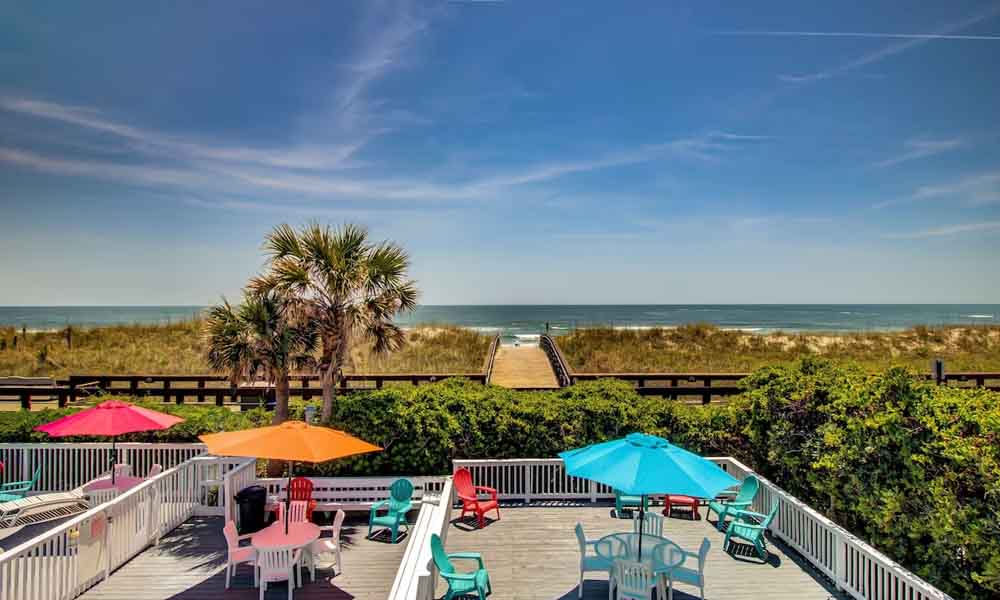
245	536
737	505
745	525
15	486
378	506
487	490
476	556
743	514
459	576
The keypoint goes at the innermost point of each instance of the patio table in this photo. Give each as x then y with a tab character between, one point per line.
618	546
122	483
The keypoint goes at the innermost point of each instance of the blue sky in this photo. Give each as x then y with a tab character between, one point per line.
560	152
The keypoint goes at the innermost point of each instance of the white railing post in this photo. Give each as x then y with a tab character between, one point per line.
593	490
25	465
528	475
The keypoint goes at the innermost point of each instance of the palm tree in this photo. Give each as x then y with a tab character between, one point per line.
260	337
347	286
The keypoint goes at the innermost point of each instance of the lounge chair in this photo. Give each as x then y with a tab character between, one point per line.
16	490
460	584
744	498
469	495
396	507
750	527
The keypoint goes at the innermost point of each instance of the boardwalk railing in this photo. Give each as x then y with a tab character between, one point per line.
65	561
853	566
416	576
66	466
491	356
559	365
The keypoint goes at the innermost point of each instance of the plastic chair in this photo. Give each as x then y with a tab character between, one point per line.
469	495
632	581
652	524
301	489
688	575
396	507
15	490
279	564
750	527
460	584
623	501
325	545
589	563
297	511
155	470
744	498
236	554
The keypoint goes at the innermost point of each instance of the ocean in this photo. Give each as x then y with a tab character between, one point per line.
560	319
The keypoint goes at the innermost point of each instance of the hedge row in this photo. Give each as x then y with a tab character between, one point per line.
912	467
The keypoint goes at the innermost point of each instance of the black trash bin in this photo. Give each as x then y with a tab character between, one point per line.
251	502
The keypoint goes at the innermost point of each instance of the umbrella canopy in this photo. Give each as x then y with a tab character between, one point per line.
641	464
295	441
109	418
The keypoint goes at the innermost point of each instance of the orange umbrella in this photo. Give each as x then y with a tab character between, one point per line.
292	441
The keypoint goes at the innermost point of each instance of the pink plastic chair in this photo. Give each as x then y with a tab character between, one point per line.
298	512
278	564
155	470
236	554
330	544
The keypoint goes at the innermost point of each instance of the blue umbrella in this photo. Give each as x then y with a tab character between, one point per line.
641	464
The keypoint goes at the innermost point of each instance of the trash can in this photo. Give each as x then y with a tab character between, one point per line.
251	502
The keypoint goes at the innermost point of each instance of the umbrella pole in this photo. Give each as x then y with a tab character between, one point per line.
288	494
642	522
114	459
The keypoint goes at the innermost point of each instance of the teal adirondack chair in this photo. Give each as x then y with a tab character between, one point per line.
15	490
744	498
623	501
750	527
460	584
396	507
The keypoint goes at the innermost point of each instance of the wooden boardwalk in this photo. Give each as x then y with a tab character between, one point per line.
522	367
188	564
532	552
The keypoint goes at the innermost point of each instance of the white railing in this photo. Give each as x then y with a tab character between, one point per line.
854	566
416	576
354	492
64	562
241	476
66	466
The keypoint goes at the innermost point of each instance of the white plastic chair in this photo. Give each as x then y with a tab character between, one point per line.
297	511
279	564
327	544
589	563
236	554
652	524
155	470
632	581
688	575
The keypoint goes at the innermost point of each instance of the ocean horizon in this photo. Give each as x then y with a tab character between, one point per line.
517	319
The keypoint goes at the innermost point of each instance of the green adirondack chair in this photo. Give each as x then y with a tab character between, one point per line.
744	498
396	507
623	501
460	584
750	527
15	490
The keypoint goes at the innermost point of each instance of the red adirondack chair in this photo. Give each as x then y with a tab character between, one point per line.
301	490
469	495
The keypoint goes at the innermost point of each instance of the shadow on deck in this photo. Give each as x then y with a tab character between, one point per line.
189	564
532	552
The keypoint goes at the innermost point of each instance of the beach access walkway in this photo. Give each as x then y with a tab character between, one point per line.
523	367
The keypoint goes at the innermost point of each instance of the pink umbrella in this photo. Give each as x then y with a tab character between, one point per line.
111	418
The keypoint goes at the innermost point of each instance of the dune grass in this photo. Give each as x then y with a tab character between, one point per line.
703	347
179	349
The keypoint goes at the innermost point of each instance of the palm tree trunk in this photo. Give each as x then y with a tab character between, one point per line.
280	398
328	380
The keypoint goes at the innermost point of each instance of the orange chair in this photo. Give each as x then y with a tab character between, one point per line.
469	495
301	490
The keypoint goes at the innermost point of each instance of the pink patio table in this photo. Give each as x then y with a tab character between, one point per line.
273	536
122	483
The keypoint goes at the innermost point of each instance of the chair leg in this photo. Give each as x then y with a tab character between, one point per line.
263	589
256	575
229	572
339	568
291	587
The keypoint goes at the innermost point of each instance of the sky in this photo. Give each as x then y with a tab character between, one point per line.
522	152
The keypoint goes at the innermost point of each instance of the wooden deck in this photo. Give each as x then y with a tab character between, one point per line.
522	367
189	564
532	552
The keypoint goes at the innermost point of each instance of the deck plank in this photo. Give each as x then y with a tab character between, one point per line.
523	367
188	564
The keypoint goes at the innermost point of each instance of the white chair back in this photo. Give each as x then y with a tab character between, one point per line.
338	522
276	564
703	555
232	536
633	580
297	511
582	540
122	470
155	470
651	523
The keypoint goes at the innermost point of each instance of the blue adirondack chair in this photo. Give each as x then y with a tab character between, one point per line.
460	584
744	498
750	527
396	507
623	501
15	490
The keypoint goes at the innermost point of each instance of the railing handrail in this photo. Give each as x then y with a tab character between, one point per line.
564	374
103	445
491	358
415	577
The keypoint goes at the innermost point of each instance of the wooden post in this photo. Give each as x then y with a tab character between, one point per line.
179	399
218	398
133	386
938	372
62	398
26	400
69	337
378	383
201	390
72	389
707	397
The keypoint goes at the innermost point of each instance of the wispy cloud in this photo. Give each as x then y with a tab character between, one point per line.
921	148
974	190
949	230
904	42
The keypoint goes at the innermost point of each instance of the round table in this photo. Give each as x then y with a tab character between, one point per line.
299	534
618	546
122	483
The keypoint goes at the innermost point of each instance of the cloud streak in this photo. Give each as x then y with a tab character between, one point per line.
856	34
949	230
974	190
921	148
